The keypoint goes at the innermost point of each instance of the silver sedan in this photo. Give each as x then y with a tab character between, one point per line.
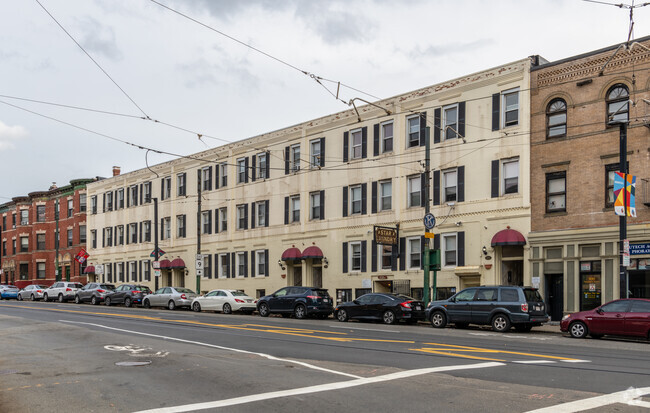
32	292
170	297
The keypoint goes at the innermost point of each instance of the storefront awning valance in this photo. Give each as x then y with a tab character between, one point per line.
89	269
312	252
508	237
165	264
177	263
292	254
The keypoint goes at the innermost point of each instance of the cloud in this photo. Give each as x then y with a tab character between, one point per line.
447	49
98	38
201	73
9	134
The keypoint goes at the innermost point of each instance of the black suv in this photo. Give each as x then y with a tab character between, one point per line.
299	301
499	306
128	294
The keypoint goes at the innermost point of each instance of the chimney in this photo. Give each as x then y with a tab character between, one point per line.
116	170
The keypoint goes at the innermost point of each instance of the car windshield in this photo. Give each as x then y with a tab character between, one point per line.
184	290
532	295
238	293
321	293
144	289
107	286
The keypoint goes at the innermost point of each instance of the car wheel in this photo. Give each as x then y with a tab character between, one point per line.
60	298
171	305
77	300
300	311
45	297
438	319
128	302
578	330
20	297
93	300
501	323
388	317
146	304
196	307
107	301
32	297
342	315
227	309
523	328
263	310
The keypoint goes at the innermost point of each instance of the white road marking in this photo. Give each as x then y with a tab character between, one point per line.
317	388
268	356
534	361
626	396
137	351
576	361
366	329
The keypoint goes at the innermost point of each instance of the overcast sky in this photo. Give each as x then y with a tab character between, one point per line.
185	74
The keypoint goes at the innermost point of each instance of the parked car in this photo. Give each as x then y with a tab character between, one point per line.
170	297
61	291
33	292
93	292
499	306
9	291
625	317
225	301
128	294
390	308
299	301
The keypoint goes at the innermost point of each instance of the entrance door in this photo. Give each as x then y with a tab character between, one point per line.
297	276
512	273
555	291
590	290
317	277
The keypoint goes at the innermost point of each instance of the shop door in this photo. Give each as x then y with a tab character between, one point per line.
590	291
555	291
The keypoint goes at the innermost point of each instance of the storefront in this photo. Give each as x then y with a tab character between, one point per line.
639	270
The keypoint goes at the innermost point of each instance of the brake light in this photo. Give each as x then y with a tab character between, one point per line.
183	296
68	289
524	307
237	300
39	291
101	291
406	304
313	297
136	292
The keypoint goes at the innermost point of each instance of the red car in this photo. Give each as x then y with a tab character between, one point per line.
625	317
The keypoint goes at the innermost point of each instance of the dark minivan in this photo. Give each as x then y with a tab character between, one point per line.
299	301
499	306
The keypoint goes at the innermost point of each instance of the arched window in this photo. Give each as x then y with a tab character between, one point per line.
556	118
617	104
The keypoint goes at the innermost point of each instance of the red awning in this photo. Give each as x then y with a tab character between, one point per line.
89	269
312	252
508	237
177	263
292	254
165	263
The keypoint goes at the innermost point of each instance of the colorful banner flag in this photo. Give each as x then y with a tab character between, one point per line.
624	199
81	256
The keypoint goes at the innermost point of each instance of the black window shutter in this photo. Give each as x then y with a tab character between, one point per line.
423	198
345	257
403	254
322	205
253	167
141	192
227	265
139	271
245	216
286	210
104	203
216	177
375	139
253	272
135	228
345	201
246	169
496	111
364	199
233	265
436	243
162	189
128	196
322	152
364	142
140	231
393	258
423	127
103	237
373	197
437	122
345	146
461	119
266	213
268	164
210	178
287	153
216	221
495	179
245	263
373	255
266	263
209	211
364	255
252	215
436	187
461	184
461	248
422	252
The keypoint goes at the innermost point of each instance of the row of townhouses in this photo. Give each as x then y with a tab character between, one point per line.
521	184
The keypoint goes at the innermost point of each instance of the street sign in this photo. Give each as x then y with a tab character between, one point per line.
199	272
430	235
99	269
429	221
155	265
385	235
199	264
199	257
156	272
160	253
626	253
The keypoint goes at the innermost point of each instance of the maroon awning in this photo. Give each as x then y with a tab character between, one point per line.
89	269
312	252
292	254
165	263
508	237
177	263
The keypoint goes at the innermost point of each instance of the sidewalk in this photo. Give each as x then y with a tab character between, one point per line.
552	327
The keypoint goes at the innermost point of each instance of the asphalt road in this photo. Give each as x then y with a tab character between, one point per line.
68	357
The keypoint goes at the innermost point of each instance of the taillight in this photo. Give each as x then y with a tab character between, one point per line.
406	304
39	291
524	307
183	296
237	300
136	292
68	289
313	297
101	291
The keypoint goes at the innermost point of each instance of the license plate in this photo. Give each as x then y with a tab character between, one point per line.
325	300
418	308
538	308
249	301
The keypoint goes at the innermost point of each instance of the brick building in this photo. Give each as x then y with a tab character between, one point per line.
574	243
29	224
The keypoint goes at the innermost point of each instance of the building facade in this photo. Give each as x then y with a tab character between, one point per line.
577	106
29	235
298	206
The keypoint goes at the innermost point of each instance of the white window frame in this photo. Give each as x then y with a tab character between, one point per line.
120	235
146	188
223	174
505	110
314	205
446	177
262	160
260	263
294	208
167	228
70	207
411	143
241	170
352	246
146	270
223	267
133	228
410	184
381	253
223	217
132	201
449	125
181	184
133	271
167	188
241	216
240	259
356	189
206	222
146	230
505	163
180	226
414	246
382	195
385	137
444	249
294	164
353	147
206	178
24	217
260	214
314	153
119	202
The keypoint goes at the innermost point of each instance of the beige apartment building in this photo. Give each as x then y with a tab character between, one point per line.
298	206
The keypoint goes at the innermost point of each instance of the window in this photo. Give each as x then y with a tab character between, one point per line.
206	222
206	178
223	219
262	164
24	217
385	195
510	103
315	206
617	104
241	264
146	270
166	188
132	199
355	256
223	173
119	271
132	233
385	257
386	130
93	238
449	251
109	237
133	271
40	270
13	219
260	214
556	119
556	191
294	203
450	185
241	170
120	235
70	207
260	263
356	147
24	244
146	229
108	201
13	242
4	223
108	269
223	265
510	182
413	131
119	203
450	121
314	153
69	237
355	199
146	192
82	234
180	185
4	248
207	266
295	158
40	241
40	213
166	228
414	189
242	219
610	173
414	252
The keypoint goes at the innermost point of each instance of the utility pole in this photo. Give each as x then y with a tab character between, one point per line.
198	229
155	237
427	168
57	271
622	220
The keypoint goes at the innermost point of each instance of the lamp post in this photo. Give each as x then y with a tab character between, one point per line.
622	220
155	237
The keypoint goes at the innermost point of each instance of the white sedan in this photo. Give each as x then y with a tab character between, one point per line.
225	301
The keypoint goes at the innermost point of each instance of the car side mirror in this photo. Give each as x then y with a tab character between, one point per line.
599	310
356	301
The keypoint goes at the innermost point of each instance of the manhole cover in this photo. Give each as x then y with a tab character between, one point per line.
2	372
133	363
